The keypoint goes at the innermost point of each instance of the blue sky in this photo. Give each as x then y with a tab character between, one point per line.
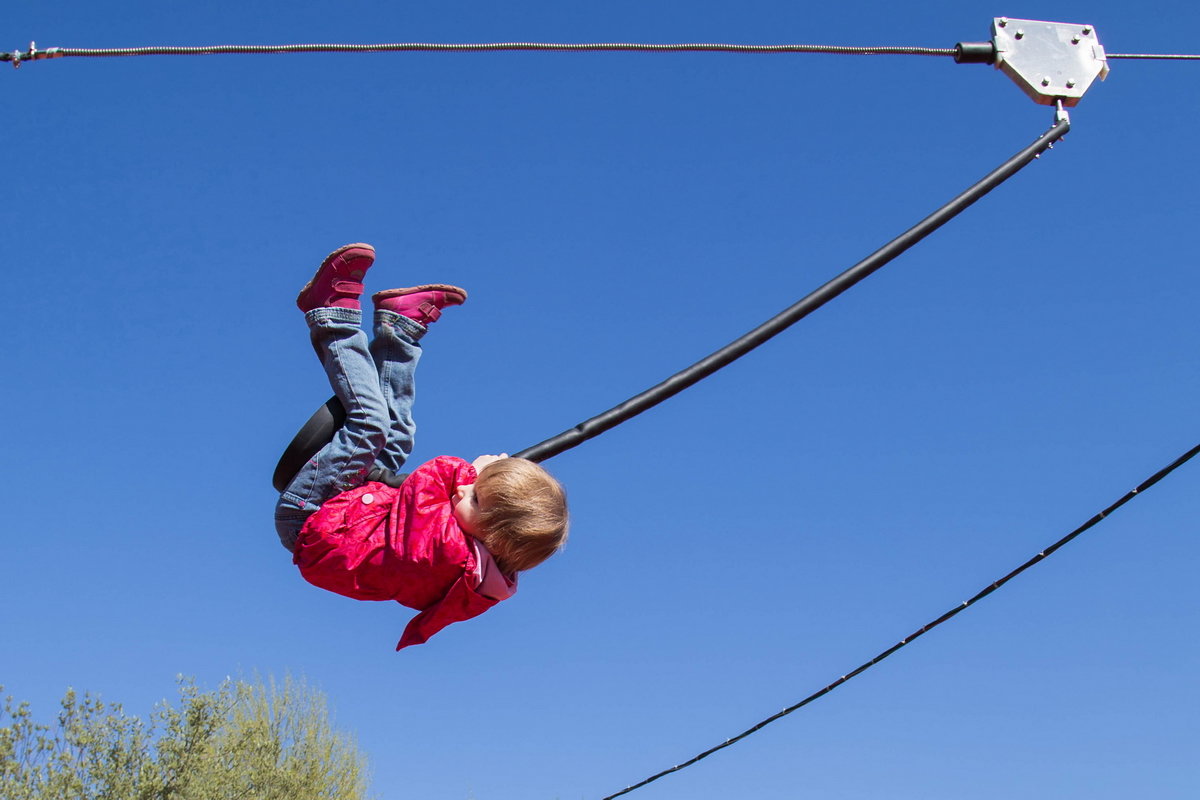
615	217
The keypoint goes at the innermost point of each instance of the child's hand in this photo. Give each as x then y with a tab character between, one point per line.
483	461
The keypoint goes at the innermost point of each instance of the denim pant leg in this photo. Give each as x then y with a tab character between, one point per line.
342	347
396	351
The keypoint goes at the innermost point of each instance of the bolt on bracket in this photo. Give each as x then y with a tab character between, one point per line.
33	54
1052	62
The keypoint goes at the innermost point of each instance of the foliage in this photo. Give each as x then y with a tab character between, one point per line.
242	741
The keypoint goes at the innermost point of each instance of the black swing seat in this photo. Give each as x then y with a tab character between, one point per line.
315	434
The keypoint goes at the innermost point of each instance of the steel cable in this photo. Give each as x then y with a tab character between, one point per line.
1164	56
1044	554
491	46
33	54
61	52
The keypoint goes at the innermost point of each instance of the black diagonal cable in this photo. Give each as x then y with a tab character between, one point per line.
1044	554
794	313
321	427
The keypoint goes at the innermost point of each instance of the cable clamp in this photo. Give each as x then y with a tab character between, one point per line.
32	54
975	53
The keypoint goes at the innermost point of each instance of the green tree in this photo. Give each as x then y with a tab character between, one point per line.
241	741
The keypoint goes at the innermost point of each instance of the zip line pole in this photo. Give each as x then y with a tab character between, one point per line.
675	384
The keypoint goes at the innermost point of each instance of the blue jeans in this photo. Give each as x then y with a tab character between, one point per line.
375	385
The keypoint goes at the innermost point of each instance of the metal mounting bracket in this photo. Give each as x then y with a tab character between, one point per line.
33	54
1052	62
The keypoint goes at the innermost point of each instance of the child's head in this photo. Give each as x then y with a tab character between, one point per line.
522	517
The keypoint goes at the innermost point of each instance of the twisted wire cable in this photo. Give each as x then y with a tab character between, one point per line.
491	46
34	54
1043	555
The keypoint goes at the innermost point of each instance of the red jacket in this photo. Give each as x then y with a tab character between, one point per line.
377	542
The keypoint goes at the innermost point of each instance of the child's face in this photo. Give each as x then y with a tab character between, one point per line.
465	505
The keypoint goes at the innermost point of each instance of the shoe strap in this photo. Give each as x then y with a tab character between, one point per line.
430	310
348	287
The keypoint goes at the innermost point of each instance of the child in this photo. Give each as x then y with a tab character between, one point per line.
450	539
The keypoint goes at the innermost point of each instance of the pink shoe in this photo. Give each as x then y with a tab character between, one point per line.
338	281
421	304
